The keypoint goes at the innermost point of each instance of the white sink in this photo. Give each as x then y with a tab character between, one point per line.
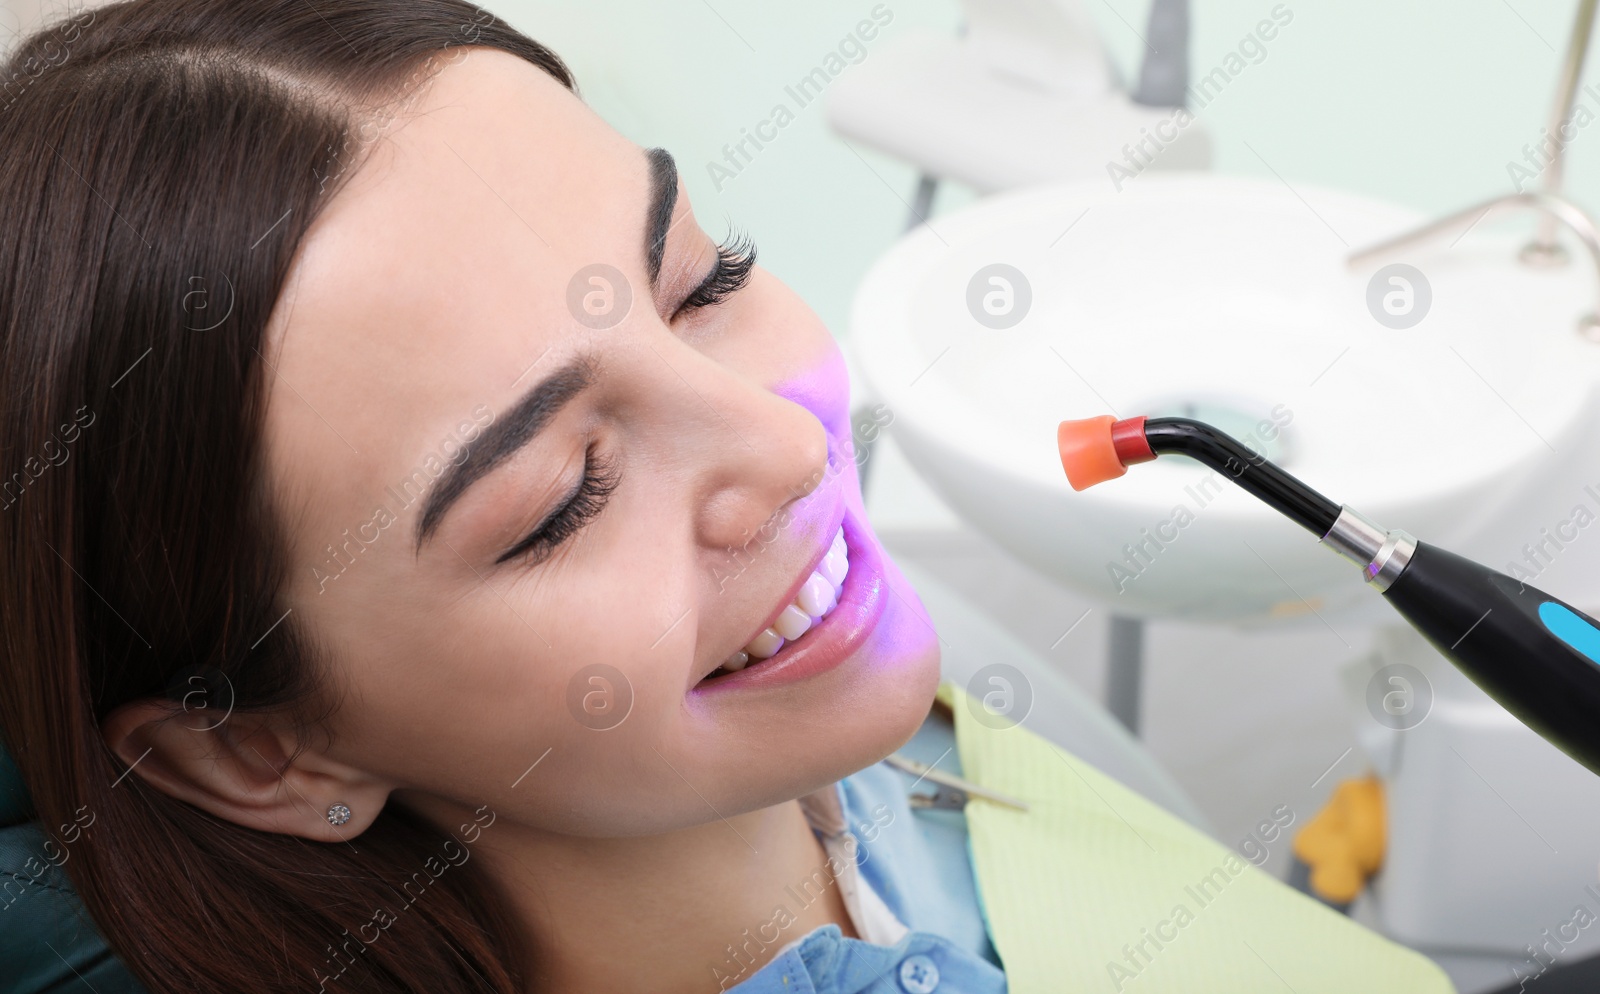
1232	293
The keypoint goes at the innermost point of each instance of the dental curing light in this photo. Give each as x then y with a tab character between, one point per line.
1537	656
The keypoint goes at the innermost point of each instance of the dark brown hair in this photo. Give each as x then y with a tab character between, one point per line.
162	161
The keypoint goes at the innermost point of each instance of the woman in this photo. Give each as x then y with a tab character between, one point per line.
402	475
432	564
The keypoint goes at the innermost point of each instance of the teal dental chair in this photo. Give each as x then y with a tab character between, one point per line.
47	942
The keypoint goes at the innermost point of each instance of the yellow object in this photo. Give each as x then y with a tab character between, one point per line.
1096	889
1344	843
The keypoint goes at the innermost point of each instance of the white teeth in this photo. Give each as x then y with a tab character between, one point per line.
834	566
817	598
792	623
765	645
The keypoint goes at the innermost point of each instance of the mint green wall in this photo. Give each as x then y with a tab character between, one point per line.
1422	102
1418	102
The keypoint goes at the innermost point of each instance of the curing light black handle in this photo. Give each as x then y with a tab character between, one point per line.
1534	653
1538	656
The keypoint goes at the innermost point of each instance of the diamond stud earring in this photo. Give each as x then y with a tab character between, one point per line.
338	814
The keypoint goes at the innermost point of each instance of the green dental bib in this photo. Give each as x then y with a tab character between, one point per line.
1096	889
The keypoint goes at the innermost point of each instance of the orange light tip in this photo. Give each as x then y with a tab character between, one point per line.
1088	452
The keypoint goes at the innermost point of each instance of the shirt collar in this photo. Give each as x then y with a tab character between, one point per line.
874	921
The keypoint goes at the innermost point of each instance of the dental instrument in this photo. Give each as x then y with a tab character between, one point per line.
1536	655
956	790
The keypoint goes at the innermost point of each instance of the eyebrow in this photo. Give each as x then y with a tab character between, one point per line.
536	408
658	220
505	437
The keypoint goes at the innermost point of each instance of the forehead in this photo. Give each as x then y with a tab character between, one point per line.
439	271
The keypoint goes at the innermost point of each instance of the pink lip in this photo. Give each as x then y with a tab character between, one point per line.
833	640
835	519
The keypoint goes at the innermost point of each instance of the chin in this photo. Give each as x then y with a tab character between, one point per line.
875	715
895	701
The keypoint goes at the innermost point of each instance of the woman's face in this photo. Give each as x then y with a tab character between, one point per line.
442	369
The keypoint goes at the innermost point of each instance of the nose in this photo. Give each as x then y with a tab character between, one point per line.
751	451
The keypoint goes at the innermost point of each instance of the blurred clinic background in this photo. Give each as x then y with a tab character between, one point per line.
1167	197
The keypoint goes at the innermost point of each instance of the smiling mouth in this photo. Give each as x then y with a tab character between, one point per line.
818	597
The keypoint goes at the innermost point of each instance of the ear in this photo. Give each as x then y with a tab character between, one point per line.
238	768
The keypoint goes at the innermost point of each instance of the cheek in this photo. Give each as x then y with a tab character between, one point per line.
566	682
459	686
477	702
631	637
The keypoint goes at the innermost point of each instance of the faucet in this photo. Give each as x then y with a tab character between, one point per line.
1553	207
1544	247
1544	250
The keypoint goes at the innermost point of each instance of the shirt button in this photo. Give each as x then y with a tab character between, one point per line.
918	975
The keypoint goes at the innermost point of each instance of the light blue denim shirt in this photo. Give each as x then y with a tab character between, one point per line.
918	865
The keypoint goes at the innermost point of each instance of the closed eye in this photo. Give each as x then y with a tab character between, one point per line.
600	480
736	258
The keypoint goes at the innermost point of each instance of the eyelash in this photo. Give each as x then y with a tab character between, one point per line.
735	260
600	480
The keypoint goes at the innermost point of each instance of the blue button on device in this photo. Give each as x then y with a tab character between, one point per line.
1571	628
